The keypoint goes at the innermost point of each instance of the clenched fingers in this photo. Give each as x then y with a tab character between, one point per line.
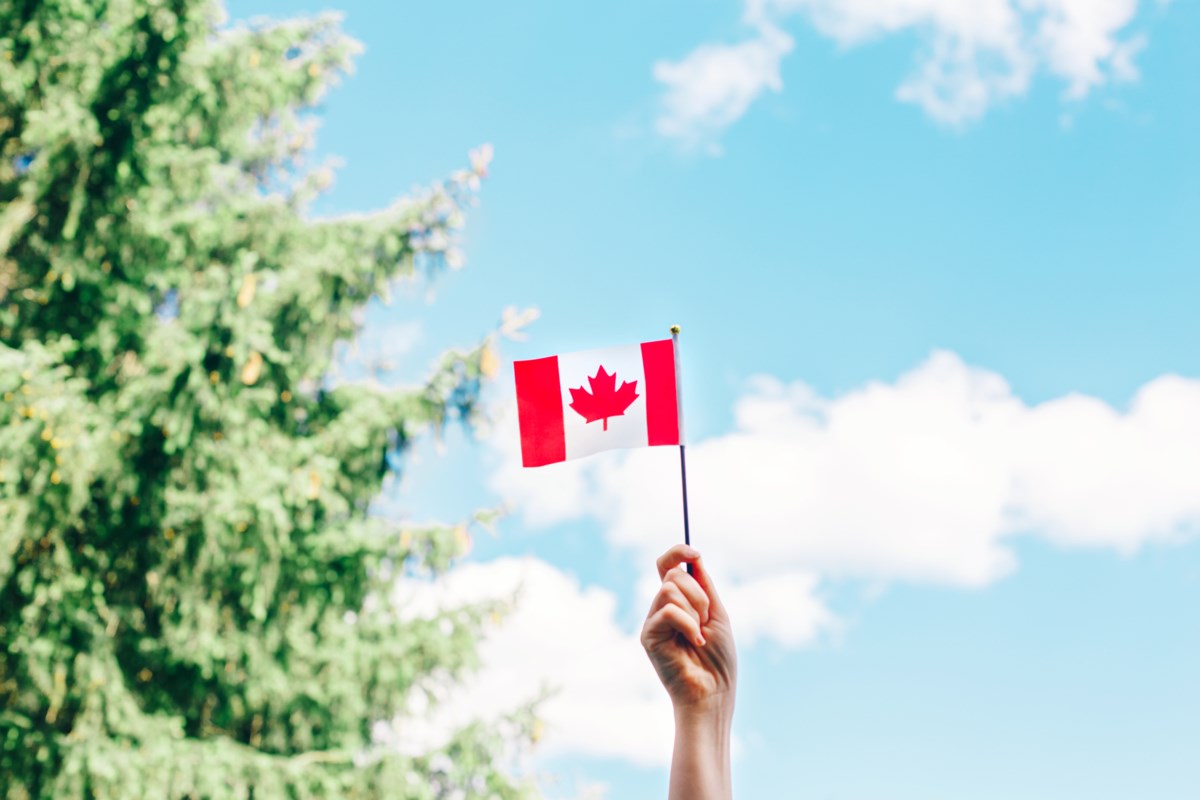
668	621
671	594
691	590
684	554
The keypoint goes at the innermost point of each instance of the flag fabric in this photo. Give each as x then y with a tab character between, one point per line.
576	404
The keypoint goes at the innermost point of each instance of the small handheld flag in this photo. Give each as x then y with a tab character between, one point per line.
632	391
576	404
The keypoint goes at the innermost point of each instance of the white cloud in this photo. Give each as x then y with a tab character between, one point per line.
784	607
561	637
712	86
976	54
1078	39
926	479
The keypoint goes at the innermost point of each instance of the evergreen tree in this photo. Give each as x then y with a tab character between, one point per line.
187	562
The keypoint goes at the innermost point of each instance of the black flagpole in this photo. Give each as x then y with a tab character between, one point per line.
687	533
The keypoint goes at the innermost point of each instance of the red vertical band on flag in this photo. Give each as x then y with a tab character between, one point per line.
662	400
540	412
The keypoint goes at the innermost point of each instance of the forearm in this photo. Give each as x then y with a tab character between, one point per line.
700	765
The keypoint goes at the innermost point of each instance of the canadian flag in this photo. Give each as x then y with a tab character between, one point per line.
576	404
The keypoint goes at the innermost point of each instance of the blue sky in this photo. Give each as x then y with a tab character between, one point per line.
774	187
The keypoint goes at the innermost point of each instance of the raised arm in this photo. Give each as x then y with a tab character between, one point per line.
690	643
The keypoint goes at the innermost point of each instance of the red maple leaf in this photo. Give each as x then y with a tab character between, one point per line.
605	400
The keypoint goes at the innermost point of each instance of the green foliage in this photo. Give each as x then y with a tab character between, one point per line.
186	557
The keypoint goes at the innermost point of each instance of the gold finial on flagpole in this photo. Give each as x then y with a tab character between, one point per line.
675	329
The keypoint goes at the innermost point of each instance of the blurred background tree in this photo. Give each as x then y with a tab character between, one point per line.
193	595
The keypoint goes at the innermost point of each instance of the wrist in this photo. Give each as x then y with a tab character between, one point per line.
706	726
714	709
